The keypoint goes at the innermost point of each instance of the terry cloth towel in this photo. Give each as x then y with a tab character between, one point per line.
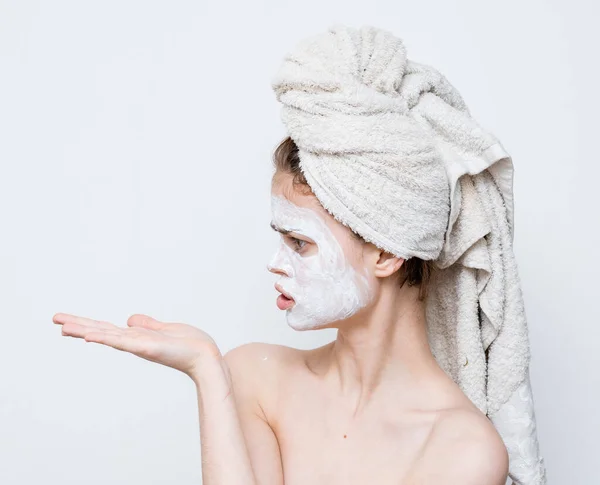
389	148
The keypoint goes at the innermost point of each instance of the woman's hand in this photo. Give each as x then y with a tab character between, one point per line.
177	345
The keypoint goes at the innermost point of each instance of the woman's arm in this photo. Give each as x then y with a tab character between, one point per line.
255	371
223	429
238	446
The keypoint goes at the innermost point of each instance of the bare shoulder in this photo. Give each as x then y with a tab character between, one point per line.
463	447
259	368
262	357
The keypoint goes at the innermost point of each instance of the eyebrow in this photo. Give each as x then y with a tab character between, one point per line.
275	227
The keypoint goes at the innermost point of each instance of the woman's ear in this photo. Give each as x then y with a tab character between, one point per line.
387	264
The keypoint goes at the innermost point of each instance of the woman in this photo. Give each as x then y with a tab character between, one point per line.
374	405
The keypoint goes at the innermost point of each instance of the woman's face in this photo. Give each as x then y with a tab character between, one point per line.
319	263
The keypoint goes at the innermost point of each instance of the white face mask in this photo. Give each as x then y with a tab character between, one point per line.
324	285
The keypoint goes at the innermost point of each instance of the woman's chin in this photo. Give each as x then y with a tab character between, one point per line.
301	327
314	323
300	322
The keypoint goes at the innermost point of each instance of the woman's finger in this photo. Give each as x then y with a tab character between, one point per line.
74	330
127	340
145	321
115	340
64	318
80	331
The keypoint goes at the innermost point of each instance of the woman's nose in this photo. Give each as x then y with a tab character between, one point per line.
277	266
275	270
280	265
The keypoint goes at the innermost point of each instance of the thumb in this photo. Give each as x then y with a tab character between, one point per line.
144	321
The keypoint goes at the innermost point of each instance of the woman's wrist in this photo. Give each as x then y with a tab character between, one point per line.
210	371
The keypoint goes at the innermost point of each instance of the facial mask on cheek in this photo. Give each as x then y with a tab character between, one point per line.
324	286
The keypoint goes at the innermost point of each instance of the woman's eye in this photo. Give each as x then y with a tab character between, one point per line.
297	244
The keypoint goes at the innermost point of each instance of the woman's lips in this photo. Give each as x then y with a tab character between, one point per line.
283	302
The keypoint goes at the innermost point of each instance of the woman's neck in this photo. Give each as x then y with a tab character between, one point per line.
383	347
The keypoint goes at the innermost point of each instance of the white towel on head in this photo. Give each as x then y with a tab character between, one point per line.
389	148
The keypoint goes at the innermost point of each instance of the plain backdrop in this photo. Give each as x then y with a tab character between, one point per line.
135	150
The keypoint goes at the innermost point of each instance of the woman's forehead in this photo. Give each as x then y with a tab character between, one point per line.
285	190
305	215
296	210
294	205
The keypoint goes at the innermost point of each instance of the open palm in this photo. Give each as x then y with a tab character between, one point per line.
175	345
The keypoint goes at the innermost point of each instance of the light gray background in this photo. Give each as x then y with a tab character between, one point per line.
135	145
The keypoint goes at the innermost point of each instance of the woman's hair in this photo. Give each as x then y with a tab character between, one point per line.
414	271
